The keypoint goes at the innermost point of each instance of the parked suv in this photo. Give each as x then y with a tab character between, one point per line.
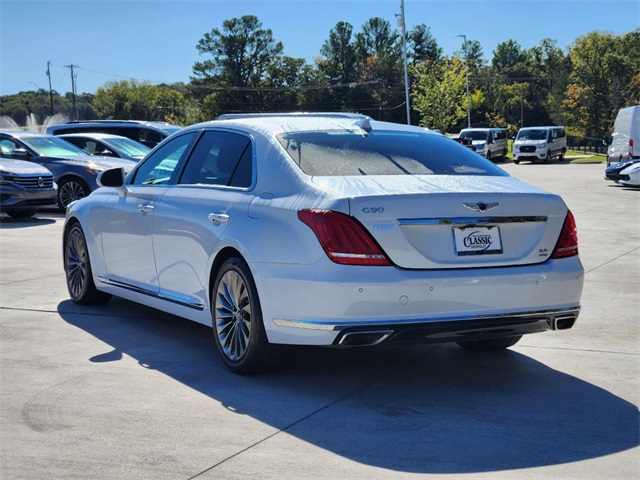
148	133
489	142
539	143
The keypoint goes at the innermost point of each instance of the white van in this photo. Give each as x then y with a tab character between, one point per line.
625	140
489	142
539	143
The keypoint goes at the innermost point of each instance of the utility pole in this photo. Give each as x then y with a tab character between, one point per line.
50	89
73	88
402	24
466	67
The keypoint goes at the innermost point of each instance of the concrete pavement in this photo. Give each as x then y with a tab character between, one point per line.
126	392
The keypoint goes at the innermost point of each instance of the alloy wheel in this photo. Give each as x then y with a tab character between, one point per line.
71	191
76	263
233	315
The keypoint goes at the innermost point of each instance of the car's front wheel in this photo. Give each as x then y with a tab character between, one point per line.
490	344
77	270
71	190
237	320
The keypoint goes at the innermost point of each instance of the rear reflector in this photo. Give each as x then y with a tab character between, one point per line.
567	245
343	238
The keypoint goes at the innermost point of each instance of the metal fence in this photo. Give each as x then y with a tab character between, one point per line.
586	144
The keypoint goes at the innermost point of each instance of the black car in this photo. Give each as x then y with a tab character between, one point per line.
148	133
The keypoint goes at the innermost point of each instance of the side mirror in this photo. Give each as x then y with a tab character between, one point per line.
20	153
113	177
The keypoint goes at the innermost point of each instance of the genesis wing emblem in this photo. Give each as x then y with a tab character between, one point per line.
481	207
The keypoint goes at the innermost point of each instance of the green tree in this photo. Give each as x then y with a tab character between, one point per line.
438	94
605	67
242	52
422	45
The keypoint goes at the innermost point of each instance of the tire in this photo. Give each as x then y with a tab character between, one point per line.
77	268
70	190
503	157
561	158
236	315
516	161
547	159
490	344
21	214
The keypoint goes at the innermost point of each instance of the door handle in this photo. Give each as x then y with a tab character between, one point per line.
218	218
145	209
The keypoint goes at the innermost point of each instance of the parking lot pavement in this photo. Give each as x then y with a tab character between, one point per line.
126	392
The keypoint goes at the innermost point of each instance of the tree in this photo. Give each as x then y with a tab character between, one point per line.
379	54
438	94
132	100
605	69
422	45
241	55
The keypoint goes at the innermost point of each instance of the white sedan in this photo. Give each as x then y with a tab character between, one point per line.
630	176
326	229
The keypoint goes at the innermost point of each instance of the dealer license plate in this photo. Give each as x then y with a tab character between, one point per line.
477	240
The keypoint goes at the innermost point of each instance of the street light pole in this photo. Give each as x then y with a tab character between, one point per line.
466	67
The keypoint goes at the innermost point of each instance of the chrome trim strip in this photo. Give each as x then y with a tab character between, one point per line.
336	327
462	221
159	296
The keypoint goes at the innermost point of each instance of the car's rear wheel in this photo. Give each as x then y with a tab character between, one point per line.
77	269
516	161
561	158
71	190
21	214
490	344
237	320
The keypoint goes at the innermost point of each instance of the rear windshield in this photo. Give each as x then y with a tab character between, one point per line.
353	153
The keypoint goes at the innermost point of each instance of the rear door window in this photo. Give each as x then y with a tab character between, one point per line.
220	158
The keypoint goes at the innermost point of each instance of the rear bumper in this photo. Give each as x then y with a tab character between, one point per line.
447	330
321	304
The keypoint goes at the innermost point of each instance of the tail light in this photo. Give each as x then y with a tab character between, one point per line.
630	147
567	245
343	238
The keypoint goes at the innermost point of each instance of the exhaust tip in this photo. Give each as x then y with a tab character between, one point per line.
365	338
564	322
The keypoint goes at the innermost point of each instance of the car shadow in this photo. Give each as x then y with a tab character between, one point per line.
8	222
424	409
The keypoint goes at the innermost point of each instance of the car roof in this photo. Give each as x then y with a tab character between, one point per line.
543	127
24	133
276	123
97	135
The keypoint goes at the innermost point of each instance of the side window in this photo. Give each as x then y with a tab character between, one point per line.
8	146
159	167
220	158
148	138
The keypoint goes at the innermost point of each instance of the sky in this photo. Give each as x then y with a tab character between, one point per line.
155	40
